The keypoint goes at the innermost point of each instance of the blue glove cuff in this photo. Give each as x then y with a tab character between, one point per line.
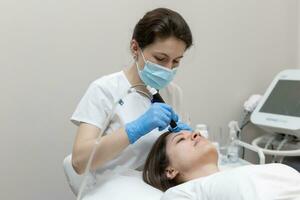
133	131
130	133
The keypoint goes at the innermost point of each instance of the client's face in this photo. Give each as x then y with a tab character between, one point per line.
187	151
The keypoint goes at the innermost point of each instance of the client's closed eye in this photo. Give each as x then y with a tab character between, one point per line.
179	140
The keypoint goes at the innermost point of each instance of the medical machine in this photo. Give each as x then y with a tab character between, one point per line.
278	113
279	109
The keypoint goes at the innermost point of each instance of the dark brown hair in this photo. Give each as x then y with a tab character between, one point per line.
156	164
162	23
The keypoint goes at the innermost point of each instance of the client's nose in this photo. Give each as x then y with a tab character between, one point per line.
194	136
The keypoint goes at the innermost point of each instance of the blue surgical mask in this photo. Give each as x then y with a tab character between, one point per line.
155	75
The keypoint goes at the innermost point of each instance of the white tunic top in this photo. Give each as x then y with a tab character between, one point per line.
98	101
252	182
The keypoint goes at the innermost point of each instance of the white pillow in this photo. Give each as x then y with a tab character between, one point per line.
122	184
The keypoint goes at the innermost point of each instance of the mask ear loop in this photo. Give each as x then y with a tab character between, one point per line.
136	63
143	57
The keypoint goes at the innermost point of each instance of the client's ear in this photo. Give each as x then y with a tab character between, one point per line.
171	173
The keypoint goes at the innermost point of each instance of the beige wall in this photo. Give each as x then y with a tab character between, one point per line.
51	50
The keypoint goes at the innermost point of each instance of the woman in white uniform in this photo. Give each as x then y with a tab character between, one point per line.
185	165
159	41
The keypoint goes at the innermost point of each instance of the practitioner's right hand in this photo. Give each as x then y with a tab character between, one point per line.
158	116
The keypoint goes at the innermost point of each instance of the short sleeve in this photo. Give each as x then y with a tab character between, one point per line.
93	107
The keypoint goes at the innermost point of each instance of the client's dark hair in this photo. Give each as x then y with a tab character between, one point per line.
156	164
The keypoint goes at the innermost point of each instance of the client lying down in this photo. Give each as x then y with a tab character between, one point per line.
186	163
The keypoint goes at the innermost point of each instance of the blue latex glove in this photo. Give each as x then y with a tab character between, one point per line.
158	116
180	126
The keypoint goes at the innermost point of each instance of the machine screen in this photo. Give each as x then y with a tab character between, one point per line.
284	99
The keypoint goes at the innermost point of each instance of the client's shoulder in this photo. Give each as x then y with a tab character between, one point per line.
271	168
277	167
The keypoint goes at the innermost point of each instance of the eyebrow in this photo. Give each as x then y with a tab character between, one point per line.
168	55
176	136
